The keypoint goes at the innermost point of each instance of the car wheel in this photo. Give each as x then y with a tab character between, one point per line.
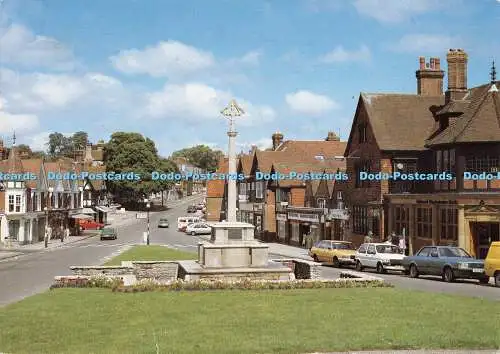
193	233
380	268
497	279
448	275
413	271
336	262
484	280
102	239
315	258
359	266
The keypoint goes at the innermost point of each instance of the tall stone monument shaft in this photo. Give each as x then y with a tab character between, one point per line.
231	112
231	185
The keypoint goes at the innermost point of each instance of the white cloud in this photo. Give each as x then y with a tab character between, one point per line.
395	11
307	102
19	46
340	54
163	60
426	43
251	58
196	102
20	123
37	91
38	141
261	144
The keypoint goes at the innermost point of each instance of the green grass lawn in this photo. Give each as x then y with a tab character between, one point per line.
291	321
151	253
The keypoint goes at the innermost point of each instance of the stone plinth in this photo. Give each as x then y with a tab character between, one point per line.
231	232
192	270
242	254
232	245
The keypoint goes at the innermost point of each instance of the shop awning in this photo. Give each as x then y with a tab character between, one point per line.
81	216
103	209
88	211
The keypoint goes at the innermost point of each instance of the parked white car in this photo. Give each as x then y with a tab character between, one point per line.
381	256
198	229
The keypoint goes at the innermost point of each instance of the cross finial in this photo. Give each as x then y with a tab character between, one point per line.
493	73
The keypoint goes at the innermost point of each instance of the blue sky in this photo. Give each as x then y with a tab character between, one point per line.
166	68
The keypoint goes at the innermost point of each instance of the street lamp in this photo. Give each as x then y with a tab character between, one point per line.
148	205
46	236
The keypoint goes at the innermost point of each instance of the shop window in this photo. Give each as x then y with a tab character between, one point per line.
401	217
449	223
360	219
423	219
480	164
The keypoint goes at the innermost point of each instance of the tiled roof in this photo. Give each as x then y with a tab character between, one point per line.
480	121
328	149
400	121
246	163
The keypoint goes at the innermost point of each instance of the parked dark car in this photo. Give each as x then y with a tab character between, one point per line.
191	209
163	223
108	233
448	262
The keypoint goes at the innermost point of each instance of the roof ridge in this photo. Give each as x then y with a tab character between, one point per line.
472	117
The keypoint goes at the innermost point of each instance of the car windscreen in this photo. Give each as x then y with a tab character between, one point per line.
453	252
387	249
108	231
343	246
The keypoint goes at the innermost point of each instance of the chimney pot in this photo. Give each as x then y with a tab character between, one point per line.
422	63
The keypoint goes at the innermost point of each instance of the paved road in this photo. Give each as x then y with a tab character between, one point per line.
34	272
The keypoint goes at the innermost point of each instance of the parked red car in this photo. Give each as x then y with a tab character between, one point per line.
90	225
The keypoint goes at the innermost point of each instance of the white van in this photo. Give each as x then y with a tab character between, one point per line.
184	221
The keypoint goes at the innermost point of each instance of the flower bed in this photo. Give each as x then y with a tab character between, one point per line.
76	281
203	285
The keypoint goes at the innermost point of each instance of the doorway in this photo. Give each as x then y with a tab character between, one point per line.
483	234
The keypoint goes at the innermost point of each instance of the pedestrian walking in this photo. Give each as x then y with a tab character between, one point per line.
402	245
66	233
369	237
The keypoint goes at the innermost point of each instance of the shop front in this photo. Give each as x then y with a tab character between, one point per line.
306	222
338	221
258	220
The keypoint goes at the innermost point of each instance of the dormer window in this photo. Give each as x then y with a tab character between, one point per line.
362	133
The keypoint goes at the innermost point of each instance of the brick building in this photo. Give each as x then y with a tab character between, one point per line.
430	132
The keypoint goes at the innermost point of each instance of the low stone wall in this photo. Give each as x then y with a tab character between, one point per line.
161	271
101	270
234	277
302	269
85	280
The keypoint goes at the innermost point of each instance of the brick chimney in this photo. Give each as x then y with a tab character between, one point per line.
277	140
332	137
430	77
457	74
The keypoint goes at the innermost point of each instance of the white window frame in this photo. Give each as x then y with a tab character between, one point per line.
259	190
321	203
17	203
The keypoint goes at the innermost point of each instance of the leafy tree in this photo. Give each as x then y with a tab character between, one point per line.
80	140
131	152
60	145
201	156
38	154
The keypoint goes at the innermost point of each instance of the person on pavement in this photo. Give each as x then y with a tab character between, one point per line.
369	237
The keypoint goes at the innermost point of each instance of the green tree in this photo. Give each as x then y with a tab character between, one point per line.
131	152
201	156
60	145
79	140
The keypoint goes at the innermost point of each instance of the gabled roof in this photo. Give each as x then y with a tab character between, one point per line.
398	121
328	149
480	121
14	163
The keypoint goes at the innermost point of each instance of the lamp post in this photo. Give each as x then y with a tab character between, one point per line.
46	236
148	205
231	112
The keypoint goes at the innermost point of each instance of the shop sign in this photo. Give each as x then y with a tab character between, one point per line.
303	217
340	214
281	217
